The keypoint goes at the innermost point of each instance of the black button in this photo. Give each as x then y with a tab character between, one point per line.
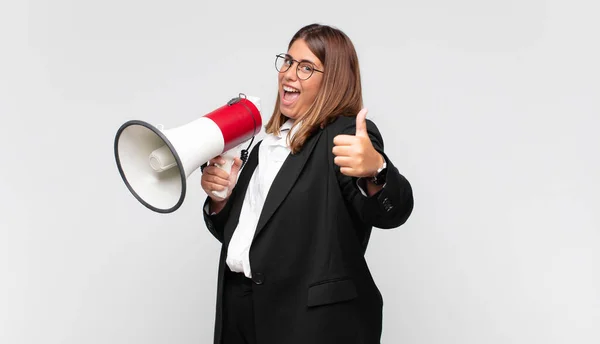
258	278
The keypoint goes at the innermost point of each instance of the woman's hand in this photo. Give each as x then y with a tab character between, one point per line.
354	154
215	179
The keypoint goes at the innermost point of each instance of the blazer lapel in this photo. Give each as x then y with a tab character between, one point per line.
285	179
240	190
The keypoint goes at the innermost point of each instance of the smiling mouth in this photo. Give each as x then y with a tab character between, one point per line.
290	95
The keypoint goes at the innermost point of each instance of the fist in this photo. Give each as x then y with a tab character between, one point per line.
354	154
215	179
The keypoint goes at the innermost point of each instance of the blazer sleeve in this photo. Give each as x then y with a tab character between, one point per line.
392	205
216	223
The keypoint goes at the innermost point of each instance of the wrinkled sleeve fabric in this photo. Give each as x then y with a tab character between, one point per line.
215	223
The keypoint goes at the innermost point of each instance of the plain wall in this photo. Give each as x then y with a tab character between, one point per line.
489	108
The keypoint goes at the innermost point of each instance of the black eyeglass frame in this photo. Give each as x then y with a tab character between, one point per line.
287	56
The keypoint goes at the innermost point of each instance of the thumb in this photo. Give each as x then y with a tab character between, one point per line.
235	169
361	123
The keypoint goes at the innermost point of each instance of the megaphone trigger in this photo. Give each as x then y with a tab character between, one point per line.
227	168
229	158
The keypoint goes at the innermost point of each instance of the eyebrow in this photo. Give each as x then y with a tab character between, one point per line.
303	60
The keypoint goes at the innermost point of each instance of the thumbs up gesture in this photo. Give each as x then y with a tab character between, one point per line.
354	154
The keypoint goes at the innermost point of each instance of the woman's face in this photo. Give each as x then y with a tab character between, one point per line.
297	95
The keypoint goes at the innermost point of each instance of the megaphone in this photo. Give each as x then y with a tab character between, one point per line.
155	163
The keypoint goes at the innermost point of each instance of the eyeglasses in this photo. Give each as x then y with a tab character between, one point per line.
304	70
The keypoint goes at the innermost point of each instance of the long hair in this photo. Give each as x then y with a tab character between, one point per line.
340	93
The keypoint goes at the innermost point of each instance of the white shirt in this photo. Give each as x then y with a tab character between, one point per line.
271	154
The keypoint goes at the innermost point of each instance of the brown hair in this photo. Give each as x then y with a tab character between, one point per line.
340	93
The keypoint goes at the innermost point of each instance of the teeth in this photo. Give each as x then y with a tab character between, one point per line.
289	89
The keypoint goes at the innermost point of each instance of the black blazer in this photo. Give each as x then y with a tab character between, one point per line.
311	281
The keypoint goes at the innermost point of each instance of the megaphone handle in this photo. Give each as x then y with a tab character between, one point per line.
228	157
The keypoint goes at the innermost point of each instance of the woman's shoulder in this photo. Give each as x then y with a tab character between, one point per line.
341	123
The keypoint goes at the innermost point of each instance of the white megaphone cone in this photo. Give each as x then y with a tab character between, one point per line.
155	164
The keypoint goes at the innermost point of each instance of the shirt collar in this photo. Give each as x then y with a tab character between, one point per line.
286	126
284	132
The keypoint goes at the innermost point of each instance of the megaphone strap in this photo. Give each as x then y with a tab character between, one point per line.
237	100
244	153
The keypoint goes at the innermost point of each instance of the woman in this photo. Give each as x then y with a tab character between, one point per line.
296	225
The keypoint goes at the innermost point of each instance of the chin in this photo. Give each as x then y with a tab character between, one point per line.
287	113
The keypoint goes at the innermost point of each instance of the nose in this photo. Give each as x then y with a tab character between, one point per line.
290	74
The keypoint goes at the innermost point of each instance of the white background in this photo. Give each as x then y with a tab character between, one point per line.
489	108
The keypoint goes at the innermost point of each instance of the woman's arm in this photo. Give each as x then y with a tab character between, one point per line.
217	212
383	207
215	221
